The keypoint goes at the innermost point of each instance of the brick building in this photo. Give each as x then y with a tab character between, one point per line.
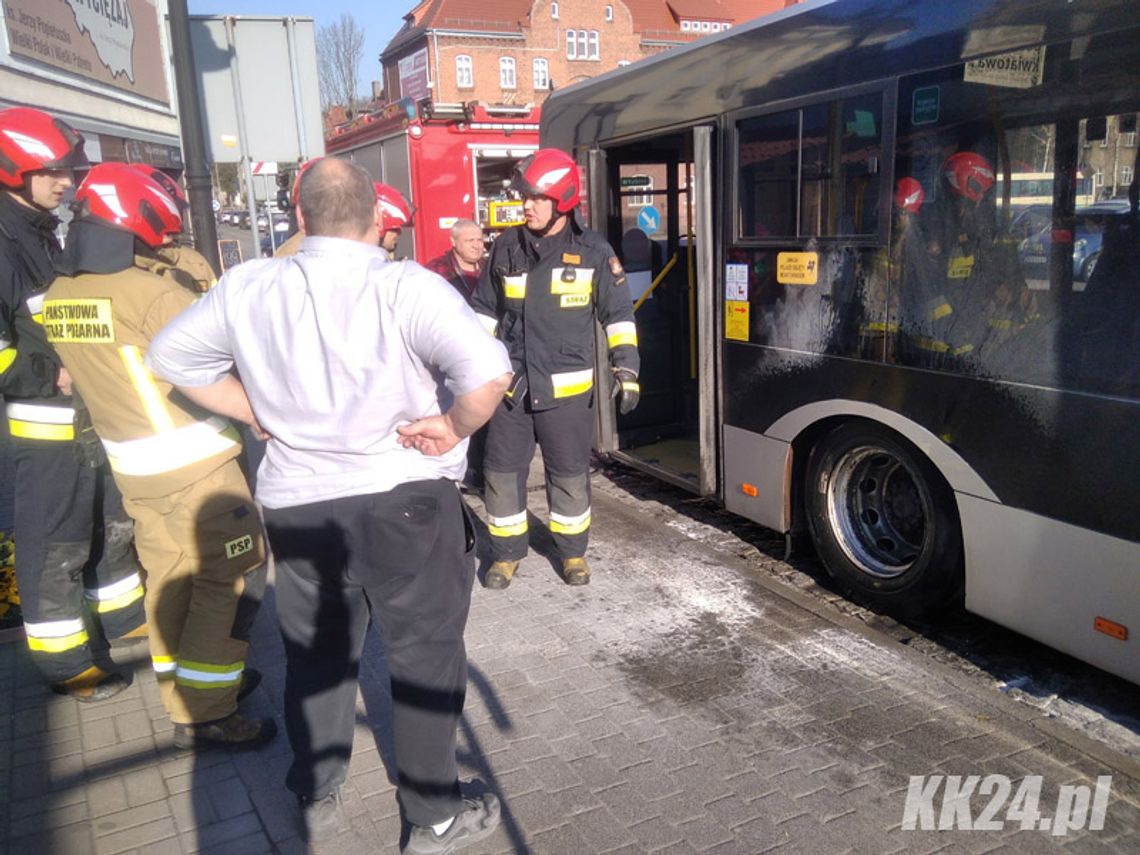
515	52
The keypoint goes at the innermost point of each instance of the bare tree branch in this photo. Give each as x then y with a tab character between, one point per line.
340	49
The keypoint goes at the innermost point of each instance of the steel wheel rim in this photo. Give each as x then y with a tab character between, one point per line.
877	511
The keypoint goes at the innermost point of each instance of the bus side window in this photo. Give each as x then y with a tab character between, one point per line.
1102	335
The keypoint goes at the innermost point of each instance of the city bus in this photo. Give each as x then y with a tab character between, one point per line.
839	337
1036	188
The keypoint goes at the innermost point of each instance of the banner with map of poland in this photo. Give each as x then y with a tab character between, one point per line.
115	42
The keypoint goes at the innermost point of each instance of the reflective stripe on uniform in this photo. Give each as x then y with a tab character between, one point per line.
35	305
153	401
514	287
489	323
510	526
7	357
55	636
931	344
35	430
37	421
164	666
562	524
118	595
622	332
939	308
879	326
172	450
203	675
40	413
568	383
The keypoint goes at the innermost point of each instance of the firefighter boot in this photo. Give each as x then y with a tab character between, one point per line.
235	732
92	685
500	573
136	636
575	571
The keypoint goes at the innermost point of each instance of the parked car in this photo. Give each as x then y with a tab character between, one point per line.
1087	235
1030	220
282	229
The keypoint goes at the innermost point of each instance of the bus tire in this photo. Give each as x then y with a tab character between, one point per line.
883	520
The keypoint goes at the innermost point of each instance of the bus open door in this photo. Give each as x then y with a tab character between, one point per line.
652	200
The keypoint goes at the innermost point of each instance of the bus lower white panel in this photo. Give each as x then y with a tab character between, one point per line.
760	461
1035	575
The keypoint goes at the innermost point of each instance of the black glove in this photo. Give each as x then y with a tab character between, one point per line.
626	391
88	448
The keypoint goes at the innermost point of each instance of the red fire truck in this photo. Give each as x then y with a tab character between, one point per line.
452	161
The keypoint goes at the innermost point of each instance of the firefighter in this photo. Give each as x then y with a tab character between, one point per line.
75	558
395	212
187	266
958	234
542	288
198	532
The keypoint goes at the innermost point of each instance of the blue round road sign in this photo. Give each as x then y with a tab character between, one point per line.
649	220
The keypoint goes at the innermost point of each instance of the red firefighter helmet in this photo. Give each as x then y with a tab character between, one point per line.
122	195
551	173
31	140
395	212
909	195
172	187
968	175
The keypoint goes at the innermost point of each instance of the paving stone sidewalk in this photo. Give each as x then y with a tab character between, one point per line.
677	704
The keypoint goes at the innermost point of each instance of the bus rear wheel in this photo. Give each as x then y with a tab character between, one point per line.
883	520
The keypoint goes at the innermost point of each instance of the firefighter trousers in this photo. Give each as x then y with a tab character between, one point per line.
409	554
75	562
565	435
205	558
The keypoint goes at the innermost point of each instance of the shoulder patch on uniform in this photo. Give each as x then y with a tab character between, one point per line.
571	258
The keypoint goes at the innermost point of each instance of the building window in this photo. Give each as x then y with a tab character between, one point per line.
1098	178
582	44
464	77
609	13
507	72
705	26
554	11
644	193
1128	140
1126	175
715	27
684	26
541	74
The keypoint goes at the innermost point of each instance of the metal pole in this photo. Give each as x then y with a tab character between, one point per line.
193	139
243	137
295	83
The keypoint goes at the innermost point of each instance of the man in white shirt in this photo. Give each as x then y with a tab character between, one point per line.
367	376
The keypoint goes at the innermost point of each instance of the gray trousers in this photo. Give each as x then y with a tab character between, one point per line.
409	555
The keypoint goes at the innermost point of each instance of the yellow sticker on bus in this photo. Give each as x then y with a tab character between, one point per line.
797	268
736	320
